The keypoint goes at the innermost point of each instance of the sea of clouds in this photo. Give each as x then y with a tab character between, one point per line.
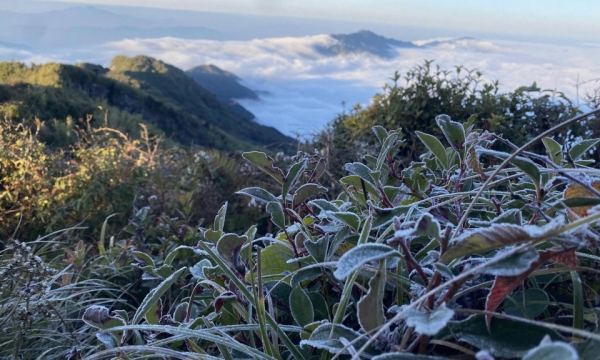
302	90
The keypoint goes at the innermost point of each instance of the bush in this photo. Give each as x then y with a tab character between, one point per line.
471	250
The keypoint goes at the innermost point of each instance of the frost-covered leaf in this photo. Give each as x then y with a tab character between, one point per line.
305	274
355	180
505	338
348	218
535	302
553	149
380	132
386	147
197	270
99	317
503	285
307	191
552	350
361	170
578	150
274	259
142	257
428	323
435	146
258	193
317	249
277	217
324	205
370	307
301	307
229	247
265	163
360	255
453	131
107	339
513	265
220	218
155	294
425	226
292	176
527	166
499	235
327	337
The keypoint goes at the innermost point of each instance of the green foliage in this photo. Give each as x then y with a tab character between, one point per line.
131	91
472	248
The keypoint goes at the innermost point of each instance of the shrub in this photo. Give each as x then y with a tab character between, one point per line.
468	250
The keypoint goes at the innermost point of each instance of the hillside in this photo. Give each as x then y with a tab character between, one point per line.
225	86
133	89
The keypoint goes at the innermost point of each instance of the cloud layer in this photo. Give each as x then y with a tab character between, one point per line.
304	90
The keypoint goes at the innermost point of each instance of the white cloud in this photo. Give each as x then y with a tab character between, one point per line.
306	89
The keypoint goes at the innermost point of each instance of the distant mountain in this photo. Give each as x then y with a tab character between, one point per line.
86	25
363	41
138	89
225	86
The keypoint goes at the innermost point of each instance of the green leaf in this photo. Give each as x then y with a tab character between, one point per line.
155	294
362	171
301	307
276	210
99	317
229	247
259	194
180	251
581	148
577	300
356	257
453	131
386	147
348	218
535	302
327	337
428	322
553	149
355	180
527	166
265	163
324	205
274	260
370	307
143	257
220	218
581	202
317	249
307	191
305	274
153	315
380	132
197	270
435	146
425	226
513	265
506	338
291	177
498	235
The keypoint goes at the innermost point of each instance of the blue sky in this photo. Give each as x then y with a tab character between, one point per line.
576	19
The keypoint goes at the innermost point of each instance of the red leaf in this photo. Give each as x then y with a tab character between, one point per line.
503	285
567	258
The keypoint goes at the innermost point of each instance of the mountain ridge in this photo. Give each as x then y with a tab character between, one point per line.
155	92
